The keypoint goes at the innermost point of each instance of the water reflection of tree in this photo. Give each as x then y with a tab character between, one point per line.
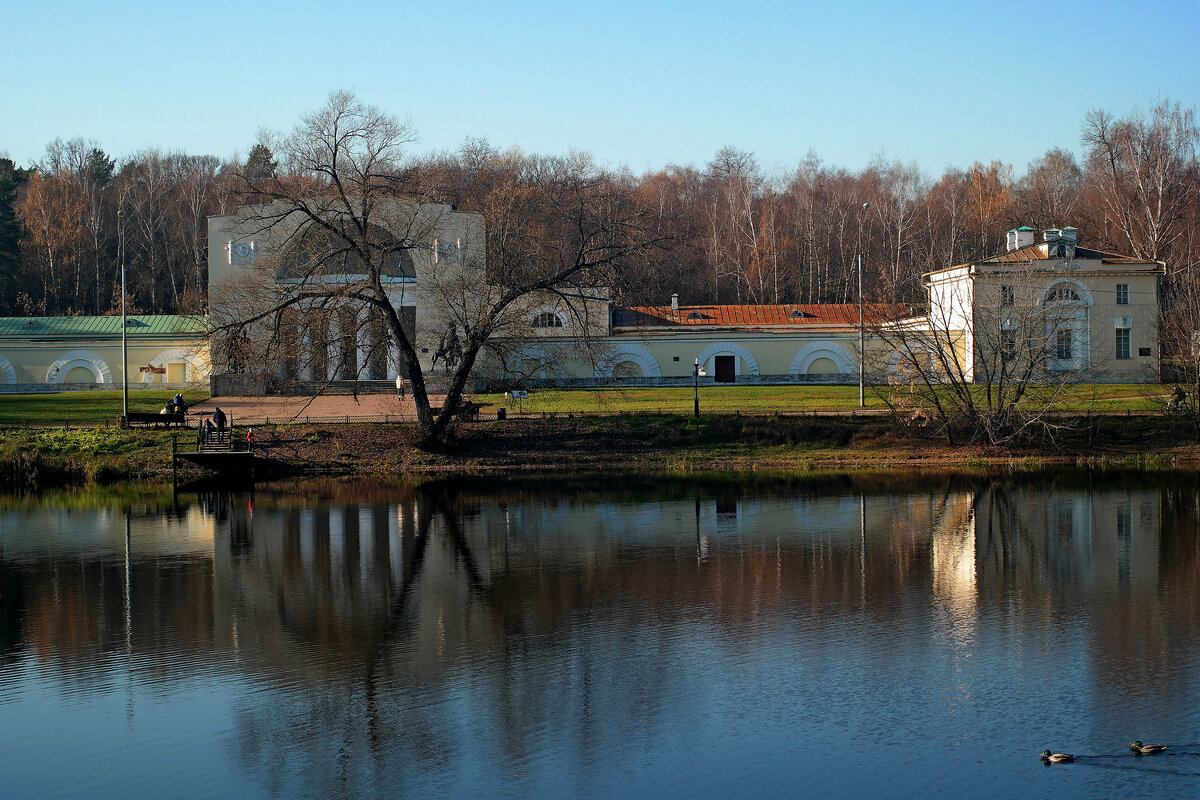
12	610
490	604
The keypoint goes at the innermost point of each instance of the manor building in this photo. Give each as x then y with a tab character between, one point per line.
1095	313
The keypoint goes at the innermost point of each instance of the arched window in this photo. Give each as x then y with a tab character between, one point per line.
1061	294
546	319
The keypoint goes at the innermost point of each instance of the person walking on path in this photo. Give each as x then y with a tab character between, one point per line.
400	388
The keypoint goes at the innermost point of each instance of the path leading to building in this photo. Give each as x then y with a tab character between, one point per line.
285	408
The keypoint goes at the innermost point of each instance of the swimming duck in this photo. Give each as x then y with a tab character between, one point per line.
1057	758
1146	749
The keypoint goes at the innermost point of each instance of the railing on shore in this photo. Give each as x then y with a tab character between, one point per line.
491	415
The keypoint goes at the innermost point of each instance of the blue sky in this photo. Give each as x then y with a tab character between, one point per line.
639	84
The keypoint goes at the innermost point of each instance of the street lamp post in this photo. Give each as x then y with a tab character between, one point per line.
862	343
124	324
696	387
862	333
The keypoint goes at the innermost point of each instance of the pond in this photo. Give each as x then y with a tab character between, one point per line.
836	636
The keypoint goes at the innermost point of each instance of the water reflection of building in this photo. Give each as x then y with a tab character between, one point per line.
457	571
80	587
1099	540
360	606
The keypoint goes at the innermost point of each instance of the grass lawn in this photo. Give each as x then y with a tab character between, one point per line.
1108	397
82	408
86	408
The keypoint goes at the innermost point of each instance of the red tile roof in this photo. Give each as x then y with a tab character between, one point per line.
757	315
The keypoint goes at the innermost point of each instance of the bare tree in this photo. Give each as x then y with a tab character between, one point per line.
897	205
346	207
197	183
989	363
1143	168
1048	194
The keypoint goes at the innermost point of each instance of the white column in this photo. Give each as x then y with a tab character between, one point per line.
331	346
364	341
304	357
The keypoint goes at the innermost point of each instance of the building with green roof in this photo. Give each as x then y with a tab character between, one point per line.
40	354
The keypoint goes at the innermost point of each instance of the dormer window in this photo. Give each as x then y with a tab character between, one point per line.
695	315
547	319
797	314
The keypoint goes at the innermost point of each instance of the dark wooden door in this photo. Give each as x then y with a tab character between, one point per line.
723	365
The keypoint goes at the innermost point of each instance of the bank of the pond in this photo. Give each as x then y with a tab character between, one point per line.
38	458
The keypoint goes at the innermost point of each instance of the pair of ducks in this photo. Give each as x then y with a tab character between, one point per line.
1137	747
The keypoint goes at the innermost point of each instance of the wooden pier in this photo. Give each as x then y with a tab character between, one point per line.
217	451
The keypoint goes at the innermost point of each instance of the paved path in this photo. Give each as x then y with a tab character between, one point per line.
319	406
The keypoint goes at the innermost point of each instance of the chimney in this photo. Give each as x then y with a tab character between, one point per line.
675	303
1050	234
1020	237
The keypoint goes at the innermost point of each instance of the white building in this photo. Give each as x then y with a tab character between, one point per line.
1105	306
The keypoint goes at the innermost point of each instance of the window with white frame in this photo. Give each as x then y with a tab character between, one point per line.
546	319
1122	294
1062	345
1123	340
1124	347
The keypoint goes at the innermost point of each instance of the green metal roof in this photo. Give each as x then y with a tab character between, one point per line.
140	326
1024	228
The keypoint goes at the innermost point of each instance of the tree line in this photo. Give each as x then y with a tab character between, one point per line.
728	231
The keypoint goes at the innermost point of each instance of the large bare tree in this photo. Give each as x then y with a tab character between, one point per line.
347	196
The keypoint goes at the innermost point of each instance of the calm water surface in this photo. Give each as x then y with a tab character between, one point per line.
839	637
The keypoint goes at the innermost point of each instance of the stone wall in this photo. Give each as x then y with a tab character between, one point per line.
54	388
237	385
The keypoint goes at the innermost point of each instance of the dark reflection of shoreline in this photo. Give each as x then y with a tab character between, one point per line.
363	613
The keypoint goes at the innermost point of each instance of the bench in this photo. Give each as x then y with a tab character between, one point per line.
154	418
467	411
